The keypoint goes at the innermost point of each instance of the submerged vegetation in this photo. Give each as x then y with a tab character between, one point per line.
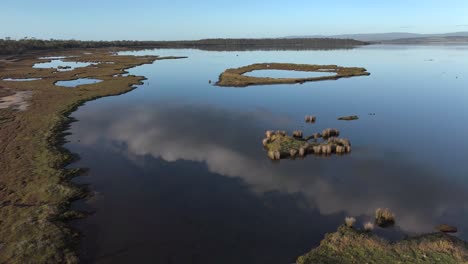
35	191
348	245
236	77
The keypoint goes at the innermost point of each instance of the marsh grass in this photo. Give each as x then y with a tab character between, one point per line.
350	221
384	217
35	191
368	227
349	246
236	77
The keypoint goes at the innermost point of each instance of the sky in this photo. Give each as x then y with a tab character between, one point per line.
197	19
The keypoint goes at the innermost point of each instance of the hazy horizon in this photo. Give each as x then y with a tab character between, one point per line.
180	20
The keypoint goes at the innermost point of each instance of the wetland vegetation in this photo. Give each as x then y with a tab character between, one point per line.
35	191
237	78
349	245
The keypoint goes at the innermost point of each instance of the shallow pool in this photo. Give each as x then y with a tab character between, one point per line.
58	64
77	82
288	74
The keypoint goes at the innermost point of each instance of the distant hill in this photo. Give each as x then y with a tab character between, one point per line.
379	37
429	40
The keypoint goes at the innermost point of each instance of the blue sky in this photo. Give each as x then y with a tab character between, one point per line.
183	19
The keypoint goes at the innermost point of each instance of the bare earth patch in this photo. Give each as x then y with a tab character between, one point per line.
17	101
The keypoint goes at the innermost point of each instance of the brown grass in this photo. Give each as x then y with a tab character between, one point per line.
384	217
348	246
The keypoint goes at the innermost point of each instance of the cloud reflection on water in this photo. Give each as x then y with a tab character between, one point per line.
228	143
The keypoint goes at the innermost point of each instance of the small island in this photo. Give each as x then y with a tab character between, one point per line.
280	146
350	245
348	118
236	77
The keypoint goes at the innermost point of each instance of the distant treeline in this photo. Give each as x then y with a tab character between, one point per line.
262	44
10	47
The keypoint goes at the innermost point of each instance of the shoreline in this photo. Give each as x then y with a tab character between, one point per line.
36	189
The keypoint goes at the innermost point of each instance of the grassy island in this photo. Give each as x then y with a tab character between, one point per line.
349	245
236	77
280	146
35	191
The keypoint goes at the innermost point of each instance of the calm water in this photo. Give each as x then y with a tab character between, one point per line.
76	82
21	80
55	63
180	175
287	74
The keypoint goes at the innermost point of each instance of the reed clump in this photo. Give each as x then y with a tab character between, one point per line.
280	145
350	221
384	217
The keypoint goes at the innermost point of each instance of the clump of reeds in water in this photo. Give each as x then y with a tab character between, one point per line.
298	134
350	221
384	217
310	119
280	145
368	227
330	132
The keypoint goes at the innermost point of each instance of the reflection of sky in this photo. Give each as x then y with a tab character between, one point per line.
176	127
288	74
228	143
80	81
59	63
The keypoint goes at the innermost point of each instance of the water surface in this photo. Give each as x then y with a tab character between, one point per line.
179	174
56	63
77	82
21	79
288	74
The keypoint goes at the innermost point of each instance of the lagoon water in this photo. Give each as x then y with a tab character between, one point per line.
287	74
179	174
